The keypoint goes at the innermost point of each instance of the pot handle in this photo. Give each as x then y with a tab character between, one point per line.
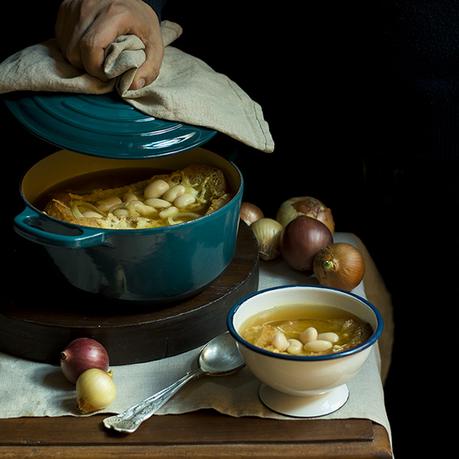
24	226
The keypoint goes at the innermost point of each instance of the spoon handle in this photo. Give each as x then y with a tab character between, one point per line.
129	420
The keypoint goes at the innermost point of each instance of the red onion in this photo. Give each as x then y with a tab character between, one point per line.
301	239
82	354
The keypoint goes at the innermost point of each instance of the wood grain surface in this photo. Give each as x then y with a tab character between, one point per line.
204	433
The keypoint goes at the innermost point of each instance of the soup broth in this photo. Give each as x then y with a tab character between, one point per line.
305	330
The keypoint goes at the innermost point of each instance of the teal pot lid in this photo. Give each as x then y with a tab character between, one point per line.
102	125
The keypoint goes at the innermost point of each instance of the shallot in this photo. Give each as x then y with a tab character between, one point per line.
267	232
82	354
250	213
95	390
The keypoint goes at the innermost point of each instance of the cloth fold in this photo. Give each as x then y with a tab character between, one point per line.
187	89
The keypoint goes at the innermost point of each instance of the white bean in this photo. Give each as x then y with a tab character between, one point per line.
134	204
295	347
318	345
121	213
146	211
106	204
310	334
156	188
158	203
137	208
280	342
184	200
329	336
132	208
169	212
91	214
130	196
174	193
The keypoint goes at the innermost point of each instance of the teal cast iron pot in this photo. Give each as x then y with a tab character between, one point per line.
155	264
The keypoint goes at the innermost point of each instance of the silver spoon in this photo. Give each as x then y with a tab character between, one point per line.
218	357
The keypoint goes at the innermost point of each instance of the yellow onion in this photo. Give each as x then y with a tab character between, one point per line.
250	213
308	206
267	232
95	390
339	265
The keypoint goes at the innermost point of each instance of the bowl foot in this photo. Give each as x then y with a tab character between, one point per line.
303	407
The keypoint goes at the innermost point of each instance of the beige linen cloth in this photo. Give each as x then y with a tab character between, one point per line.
187	89
36	389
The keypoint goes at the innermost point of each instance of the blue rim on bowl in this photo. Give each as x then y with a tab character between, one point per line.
369	342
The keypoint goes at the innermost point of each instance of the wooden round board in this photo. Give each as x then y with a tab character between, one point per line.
37	322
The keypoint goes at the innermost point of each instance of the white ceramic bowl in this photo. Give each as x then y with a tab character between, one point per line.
304	385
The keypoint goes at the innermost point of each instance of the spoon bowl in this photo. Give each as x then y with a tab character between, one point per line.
219	357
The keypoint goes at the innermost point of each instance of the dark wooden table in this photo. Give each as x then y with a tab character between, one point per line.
204	433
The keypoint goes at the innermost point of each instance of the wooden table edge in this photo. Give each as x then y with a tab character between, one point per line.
204	433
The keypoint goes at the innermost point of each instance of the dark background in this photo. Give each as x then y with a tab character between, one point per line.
361	100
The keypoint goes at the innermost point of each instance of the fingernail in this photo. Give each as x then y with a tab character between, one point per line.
140	83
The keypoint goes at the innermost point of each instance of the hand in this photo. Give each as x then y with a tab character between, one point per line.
85	28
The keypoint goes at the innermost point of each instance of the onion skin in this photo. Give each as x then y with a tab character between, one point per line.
308	206
82	354
267	233
339	265
250	213
301	240
95	390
